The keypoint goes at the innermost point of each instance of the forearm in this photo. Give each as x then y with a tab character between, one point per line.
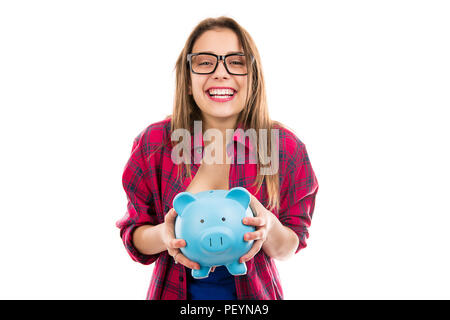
281	242
148	239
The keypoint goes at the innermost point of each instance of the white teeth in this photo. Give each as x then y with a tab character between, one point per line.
221	92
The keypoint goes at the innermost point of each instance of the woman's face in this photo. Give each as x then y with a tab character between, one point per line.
217	109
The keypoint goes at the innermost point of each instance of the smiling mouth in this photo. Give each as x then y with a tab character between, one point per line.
221	95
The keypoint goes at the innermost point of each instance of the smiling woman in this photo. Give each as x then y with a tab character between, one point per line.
220	84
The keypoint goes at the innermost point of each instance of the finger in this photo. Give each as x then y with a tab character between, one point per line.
186	262
252	252
254	204
173	252
182	259
177	243
255	221
170	216
259	234
256	235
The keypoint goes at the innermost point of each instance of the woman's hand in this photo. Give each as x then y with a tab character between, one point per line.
173	245
263	222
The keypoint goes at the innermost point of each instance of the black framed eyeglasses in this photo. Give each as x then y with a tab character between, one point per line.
206	63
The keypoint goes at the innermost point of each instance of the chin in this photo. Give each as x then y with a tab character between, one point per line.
222	115
221	111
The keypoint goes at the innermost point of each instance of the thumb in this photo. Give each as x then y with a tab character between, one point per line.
170	216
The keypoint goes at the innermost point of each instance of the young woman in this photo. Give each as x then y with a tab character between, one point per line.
220	85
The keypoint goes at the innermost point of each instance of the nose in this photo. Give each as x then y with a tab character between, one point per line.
216	240
220	71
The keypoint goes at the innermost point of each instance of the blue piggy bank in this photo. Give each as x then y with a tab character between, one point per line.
211	224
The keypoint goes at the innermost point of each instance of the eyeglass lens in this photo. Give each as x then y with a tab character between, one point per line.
204	63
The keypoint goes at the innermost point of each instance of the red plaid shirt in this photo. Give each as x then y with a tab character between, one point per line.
151	184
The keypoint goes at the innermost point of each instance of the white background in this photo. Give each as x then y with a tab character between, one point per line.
364	84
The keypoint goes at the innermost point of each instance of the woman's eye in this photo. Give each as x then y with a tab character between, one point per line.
239	63
223	219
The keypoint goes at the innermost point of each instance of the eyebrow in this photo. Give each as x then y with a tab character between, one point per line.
229	52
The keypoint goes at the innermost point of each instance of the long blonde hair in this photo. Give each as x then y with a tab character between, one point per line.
255	114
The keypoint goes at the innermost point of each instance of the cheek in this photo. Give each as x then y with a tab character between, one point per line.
243	88
197	83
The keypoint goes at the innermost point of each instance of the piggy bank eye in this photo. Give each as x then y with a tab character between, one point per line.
201	221
223	218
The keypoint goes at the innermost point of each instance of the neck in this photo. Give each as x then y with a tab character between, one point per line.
221	124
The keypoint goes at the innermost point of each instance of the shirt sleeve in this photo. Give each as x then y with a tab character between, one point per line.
298	194
140	208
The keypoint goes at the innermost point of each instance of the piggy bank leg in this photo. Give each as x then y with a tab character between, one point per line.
237	269
201	273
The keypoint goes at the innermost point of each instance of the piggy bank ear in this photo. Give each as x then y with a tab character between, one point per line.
240	195
181	201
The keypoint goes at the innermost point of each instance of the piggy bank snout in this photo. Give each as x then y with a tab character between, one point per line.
216	240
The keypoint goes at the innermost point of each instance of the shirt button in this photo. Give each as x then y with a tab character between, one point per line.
180	278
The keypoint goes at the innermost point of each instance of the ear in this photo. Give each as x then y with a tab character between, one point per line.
181	201
240	195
